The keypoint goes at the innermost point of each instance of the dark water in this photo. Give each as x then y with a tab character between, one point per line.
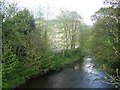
81	75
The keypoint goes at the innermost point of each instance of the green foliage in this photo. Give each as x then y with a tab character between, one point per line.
56	60
25	21
105	41
26	48
34	46
9	63
85	40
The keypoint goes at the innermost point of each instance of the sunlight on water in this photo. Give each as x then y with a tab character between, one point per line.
88	66
81	75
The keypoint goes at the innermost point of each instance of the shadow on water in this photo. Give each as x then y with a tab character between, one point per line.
80	75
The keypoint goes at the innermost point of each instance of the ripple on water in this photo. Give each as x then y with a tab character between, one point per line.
81	75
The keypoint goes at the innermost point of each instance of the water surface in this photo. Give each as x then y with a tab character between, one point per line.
81	75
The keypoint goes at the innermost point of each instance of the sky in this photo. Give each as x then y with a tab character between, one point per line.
85	8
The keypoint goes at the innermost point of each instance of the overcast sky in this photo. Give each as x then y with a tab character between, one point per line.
85	8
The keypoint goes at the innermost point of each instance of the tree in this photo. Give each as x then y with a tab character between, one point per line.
106	27
85	40
70	24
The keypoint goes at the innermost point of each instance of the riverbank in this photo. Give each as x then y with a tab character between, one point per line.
80	75
66	61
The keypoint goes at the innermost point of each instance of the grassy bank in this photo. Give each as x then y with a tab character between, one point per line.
49	62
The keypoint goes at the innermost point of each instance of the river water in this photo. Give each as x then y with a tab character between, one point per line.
81	75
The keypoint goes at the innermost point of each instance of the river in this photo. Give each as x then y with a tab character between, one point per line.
81	75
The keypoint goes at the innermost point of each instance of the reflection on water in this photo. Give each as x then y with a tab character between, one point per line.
81	75
76	67
88	65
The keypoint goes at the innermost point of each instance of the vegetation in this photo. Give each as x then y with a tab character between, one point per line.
33	45
29	46
106	40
